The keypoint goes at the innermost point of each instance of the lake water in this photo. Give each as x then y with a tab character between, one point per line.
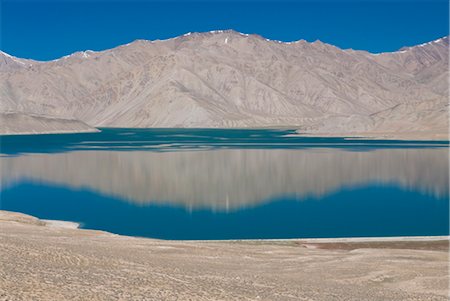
228	184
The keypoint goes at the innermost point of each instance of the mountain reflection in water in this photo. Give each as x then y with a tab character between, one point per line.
230	179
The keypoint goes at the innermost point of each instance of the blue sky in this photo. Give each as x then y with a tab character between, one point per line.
47	30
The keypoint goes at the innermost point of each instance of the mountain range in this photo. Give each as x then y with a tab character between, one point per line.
228	79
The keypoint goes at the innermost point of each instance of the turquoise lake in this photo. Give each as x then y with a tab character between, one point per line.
228	184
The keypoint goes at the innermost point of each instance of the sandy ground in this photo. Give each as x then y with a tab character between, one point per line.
50	261
425	136
15	123
12	133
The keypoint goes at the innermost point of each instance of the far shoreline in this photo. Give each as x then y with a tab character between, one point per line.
9	134
400	136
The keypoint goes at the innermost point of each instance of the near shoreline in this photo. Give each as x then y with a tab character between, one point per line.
41	262
25	218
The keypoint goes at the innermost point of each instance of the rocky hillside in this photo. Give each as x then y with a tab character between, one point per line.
229	79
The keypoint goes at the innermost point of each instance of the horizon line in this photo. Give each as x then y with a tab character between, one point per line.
219	31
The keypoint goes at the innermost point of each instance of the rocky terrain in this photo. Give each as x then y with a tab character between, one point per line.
229	79
42	261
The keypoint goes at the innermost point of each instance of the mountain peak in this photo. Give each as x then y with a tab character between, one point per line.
441	41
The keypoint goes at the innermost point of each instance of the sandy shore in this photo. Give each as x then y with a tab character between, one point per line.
27	133
42	260
423	136
60	224
420	136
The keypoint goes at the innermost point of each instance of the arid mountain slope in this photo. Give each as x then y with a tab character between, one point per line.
229	79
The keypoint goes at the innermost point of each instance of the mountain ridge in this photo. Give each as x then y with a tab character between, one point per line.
400	50
230	79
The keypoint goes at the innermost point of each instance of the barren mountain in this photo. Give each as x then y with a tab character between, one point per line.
229	79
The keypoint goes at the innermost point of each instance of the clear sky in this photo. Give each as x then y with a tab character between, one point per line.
44	30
